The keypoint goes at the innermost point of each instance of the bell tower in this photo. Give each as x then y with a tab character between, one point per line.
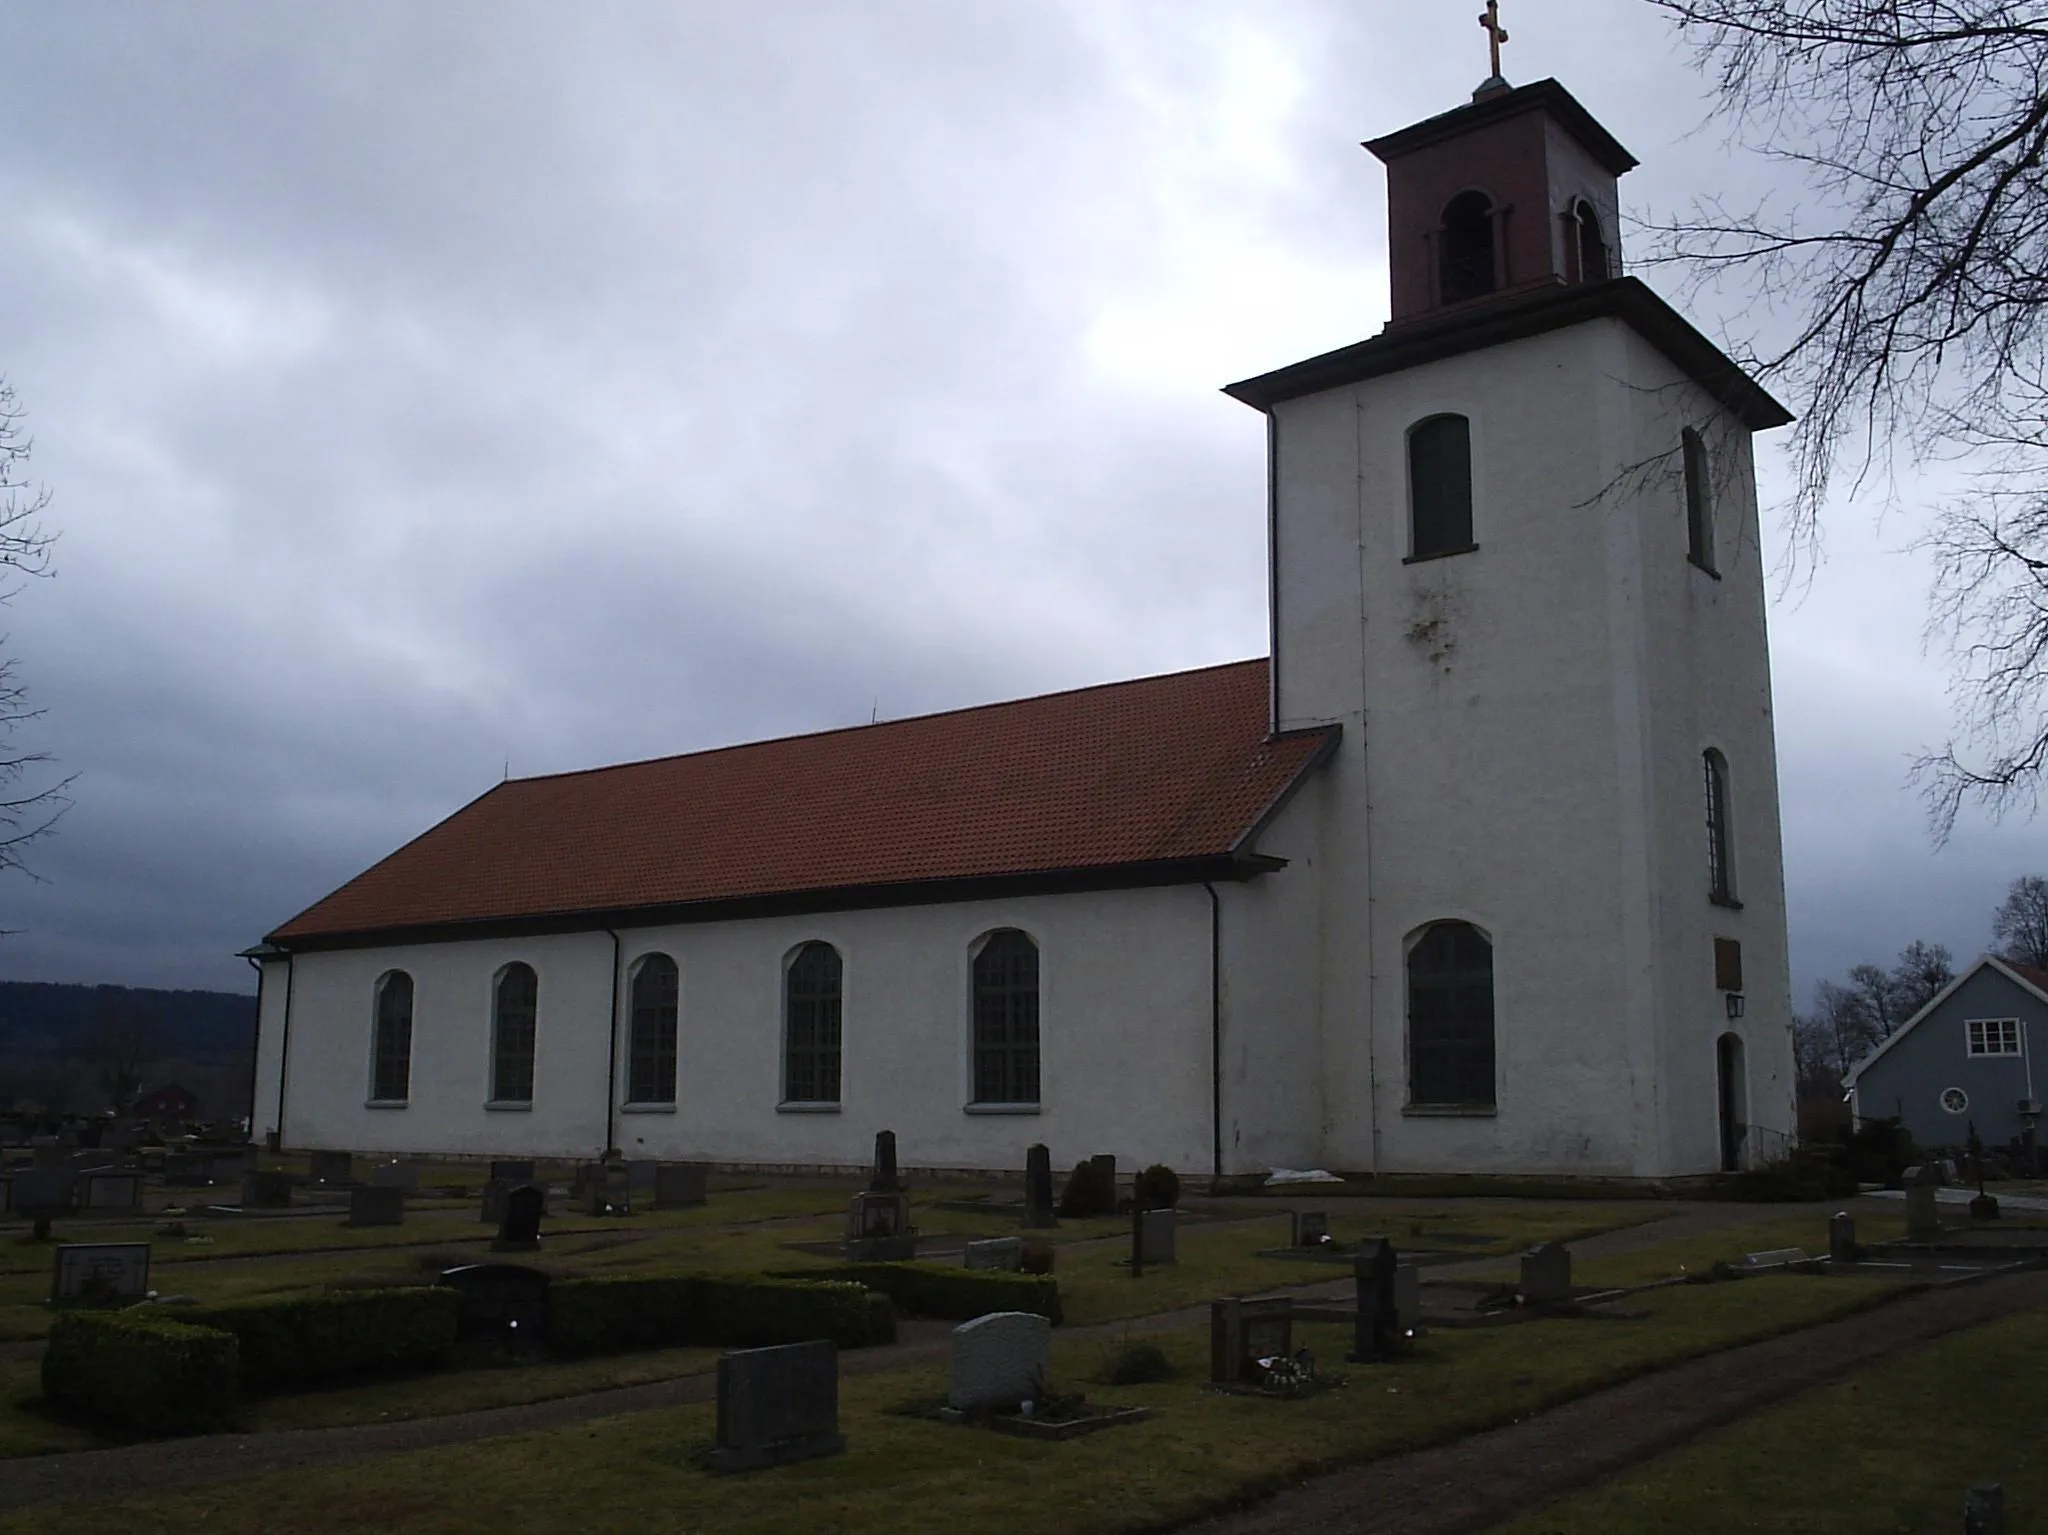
1515	554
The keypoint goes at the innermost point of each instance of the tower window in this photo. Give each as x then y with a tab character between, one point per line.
391	1051
651	1072
1450	1018
1699	502
1591	248
515	1008
1720	872
1440	486
1006	1019
811	1004
1465	259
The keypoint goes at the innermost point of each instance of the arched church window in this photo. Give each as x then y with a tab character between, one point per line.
810	1033
1465	264
1720	868
1006	1018
515	1006
651	1057
1450	1018
1440	486
391	1048
1592	249
1699	501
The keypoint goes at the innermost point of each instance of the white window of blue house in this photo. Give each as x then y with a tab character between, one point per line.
1993	1036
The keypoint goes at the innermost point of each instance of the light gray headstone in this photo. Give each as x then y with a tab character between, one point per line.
99	1273
777	1405
112	1191
1775	1256
1842	1237
1155	1236
999	1360
996	1253
1547	1273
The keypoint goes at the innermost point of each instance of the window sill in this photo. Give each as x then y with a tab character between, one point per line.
1439	554
387	1103
1451	1110
999	1108
798	1106
647	1108
509	1106
1701	565
1728	901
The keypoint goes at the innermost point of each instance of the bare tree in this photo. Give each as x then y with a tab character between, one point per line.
1913	267
1919	976
124	1042
29	803
2020	925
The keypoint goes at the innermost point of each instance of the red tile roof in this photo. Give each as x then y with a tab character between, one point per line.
1157	771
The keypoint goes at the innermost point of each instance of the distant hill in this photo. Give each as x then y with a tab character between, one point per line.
40	1018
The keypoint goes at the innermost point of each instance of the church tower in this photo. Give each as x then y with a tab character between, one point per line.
1514	554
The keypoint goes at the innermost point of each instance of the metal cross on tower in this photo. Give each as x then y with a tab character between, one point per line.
1496	34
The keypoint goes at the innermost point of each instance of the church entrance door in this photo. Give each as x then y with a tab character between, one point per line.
1728	1053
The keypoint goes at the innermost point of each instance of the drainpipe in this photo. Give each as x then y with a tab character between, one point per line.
255	1042
284	1047
1215	1027
611	1069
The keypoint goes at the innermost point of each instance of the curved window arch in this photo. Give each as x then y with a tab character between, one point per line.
391	1046
1591	251
811	1001
1465	259
1439	486
1006	1018
515	1007
1699	501
651	1055
1450	1017
1720	865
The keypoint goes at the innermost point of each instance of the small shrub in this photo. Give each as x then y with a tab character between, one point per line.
309	1338
141	1370
1037	1258
1879	1151
1090	1190
1158	1188
1137	1364
619	1314
1811	1172
951	1294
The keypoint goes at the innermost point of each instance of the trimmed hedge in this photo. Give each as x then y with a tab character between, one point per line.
312	1338
610	1315
141	1370
952	1294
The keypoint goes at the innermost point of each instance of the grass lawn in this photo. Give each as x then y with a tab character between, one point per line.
1730	1244
912	1476
1889	1449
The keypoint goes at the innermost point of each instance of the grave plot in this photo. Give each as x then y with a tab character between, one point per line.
999	1376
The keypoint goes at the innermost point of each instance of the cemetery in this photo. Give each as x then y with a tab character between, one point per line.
913	1347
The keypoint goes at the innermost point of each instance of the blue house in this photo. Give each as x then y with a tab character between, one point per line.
1964	1059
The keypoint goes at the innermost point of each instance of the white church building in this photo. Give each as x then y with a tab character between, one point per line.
1478	872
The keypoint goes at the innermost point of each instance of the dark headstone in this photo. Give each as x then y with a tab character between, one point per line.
511	1173
777	1405
1984	1509
519	1229
1984	1208
373	1204
99	1274
884	1179
501	1300
1546	1274
404	1176
43	1193
1378	1328
678	1185
1310	1228
266	1190
1243	1332
86	1161
1923	1218
1842	1246
878	1228
1038	1193
329	1167
184	1170
1155	1236
110	1189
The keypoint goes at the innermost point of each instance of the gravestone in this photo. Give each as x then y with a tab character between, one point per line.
404	1176
519	1227
99	1274
883	1179
1155	1233
497	1195
640	1179
878	1228
608	1191
375	1204
44	1193
1407	1298
777	1405
1243	1332
1948	1170
184	1170
1376	1330
1309	1228
86	1161
1775	1257
329	1167
1842	1237
679	1184
1984	1509
266	1190
500	1300
512	1173
998	1361
1546	1274
1006	1253
1038	1195
111	1191
1923	1219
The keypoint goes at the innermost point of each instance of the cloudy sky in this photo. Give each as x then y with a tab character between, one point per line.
425	388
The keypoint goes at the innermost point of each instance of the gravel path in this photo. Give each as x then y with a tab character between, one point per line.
171	1465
